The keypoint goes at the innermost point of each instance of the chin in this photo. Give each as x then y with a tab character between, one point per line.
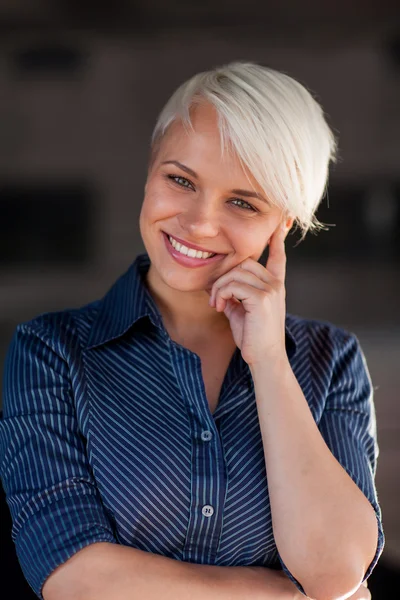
183	284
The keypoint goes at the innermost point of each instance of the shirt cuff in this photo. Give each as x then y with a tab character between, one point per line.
57	531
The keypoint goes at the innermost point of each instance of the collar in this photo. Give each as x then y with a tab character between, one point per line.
129	300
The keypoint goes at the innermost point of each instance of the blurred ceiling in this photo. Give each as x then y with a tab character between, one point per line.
249	16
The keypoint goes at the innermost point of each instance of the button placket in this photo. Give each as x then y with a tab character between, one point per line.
207	510
206	435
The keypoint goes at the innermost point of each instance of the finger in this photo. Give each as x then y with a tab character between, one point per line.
257	268
276	263
248	265
241	275
246	294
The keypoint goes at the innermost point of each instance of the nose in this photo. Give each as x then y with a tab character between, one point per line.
201	219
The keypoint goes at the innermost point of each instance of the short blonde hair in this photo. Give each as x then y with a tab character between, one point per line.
273	124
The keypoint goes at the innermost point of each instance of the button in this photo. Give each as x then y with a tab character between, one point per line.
207	510
206	436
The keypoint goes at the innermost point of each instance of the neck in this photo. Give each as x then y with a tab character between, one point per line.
186	313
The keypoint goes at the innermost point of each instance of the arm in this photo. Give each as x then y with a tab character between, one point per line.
64	539
103	571
325	527
55	506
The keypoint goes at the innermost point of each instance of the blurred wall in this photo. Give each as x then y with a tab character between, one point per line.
77	107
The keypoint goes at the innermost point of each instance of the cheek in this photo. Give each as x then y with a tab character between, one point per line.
251	241
149	214
159	204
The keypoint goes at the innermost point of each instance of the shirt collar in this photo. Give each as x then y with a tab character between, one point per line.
129	300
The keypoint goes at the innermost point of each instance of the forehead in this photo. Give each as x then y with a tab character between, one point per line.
204	129
200	145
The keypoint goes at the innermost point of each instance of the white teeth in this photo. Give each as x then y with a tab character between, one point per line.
189	251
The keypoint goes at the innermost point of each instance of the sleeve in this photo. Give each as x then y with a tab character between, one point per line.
55	506
348	426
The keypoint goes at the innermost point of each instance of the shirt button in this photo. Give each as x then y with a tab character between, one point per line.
206	436
207	510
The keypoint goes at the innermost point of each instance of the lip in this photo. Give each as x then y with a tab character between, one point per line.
193	246
188	261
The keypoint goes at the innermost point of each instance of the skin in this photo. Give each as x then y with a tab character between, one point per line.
202	211
239	297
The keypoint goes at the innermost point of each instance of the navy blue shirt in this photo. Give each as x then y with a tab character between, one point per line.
107	435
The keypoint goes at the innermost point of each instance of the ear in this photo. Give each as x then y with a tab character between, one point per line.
288	224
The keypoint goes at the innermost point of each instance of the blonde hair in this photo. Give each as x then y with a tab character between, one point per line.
273	124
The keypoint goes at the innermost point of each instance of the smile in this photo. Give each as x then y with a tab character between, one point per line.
187	251
192	258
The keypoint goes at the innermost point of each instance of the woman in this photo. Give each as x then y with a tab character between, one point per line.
184	437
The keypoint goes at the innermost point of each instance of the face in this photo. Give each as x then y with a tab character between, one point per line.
196	196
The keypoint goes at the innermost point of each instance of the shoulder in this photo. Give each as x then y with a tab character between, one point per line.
61	330
329	364
317	328
322	341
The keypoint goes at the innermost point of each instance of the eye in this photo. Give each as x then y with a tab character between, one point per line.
178	180
186	183
247	205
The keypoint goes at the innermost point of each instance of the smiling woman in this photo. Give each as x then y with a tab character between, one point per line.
185	436
271	123
209	212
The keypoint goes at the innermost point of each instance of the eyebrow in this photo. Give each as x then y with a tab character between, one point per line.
246	193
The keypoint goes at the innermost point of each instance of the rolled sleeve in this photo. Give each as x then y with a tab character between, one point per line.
348	426
56	508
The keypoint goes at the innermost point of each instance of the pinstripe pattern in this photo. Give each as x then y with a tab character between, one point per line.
107	435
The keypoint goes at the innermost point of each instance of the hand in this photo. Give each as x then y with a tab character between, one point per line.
253	299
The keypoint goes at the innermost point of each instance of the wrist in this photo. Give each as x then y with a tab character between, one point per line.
271	366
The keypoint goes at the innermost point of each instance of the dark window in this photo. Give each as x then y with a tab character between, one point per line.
44	224
366	226
48	59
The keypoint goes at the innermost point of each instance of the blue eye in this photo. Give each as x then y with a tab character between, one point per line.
178	179
247	205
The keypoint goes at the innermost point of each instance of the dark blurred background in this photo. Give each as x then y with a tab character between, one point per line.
81	84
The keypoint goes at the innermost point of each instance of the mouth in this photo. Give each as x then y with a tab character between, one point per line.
177	242
189	256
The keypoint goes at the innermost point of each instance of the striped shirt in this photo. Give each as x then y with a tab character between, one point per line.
107	435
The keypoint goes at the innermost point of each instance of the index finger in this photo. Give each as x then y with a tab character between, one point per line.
276	262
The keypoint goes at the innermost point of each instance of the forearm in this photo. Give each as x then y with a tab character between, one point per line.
103	571
325	528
